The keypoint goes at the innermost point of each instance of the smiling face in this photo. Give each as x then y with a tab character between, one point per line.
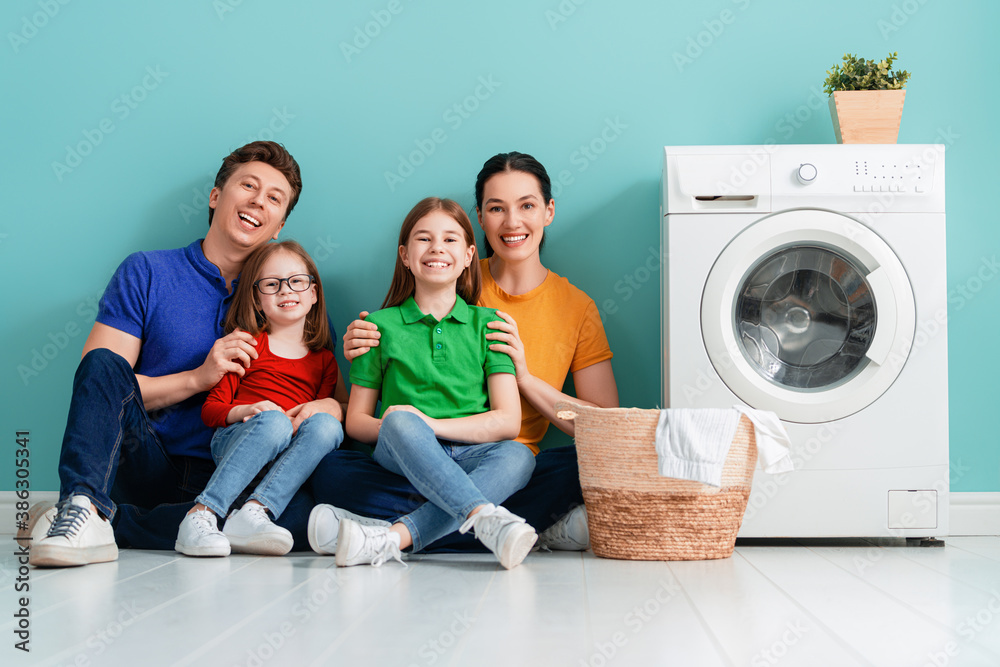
514	215
437	250
287	306
250	208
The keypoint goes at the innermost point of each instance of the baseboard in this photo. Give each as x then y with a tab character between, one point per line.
971	513
974	513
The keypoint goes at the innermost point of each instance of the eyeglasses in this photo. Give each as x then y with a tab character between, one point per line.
300	282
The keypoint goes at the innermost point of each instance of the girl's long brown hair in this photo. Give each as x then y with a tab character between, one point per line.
469	284
245	312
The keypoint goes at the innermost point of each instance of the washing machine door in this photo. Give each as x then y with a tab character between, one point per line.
808	313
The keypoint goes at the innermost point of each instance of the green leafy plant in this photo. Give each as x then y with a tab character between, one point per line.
859	74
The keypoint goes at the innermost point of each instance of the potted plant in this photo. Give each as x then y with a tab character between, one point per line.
866	100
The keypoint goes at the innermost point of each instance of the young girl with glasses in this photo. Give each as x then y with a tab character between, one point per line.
280	409
450	407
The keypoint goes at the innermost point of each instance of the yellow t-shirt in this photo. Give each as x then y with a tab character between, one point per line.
561	330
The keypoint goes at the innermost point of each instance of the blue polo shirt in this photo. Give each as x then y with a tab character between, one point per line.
175	302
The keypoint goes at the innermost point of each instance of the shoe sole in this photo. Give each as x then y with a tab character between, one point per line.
45	555
329	548
201	552
516	552
260	545
344	541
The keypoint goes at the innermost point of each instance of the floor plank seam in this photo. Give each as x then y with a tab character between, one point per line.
835	636
189	658
79	648
719	645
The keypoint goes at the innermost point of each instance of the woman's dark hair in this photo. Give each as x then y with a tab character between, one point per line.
513	161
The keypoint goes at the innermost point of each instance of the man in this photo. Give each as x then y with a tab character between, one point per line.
135	451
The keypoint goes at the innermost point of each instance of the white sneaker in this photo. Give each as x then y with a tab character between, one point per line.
40	517
251	531
361	545
505	534
569	533
199	535
77	536
324	526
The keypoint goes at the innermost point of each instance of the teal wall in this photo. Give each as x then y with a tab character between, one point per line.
152	96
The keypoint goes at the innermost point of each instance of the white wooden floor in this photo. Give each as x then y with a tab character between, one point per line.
791	603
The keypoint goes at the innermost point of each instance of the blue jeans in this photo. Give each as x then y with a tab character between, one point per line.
455	477
354	481
241	450
111	455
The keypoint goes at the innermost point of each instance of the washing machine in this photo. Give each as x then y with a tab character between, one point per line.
810	281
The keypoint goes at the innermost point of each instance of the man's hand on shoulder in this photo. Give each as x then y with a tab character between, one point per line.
230	354
360	337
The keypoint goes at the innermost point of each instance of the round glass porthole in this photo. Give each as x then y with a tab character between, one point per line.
805	317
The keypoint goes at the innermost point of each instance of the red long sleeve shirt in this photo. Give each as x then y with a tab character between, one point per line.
286	382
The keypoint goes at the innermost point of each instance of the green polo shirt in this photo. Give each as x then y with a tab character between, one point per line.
440	368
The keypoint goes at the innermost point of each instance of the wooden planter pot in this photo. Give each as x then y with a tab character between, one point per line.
867	116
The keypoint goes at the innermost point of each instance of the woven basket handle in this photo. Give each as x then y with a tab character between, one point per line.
567	410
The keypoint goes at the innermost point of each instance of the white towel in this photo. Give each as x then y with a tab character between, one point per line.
772	440
693	443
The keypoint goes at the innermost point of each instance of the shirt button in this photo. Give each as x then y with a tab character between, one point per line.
438	346
438	330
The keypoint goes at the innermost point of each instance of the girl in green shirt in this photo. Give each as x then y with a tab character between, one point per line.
450	406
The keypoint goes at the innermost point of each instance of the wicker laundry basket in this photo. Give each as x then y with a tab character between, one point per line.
633	512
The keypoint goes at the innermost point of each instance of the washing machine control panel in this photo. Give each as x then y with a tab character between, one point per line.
844	177
868	169
889	176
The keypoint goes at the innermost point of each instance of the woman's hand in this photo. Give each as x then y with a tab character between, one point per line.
360	337
304	411
509	342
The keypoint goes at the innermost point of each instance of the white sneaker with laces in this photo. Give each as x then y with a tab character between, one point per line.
77	536
569	533
40	517
507	535
361	545
324	526
251	531
199	535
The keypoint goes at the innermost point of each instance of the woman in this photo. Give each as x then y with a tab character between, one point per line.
550	329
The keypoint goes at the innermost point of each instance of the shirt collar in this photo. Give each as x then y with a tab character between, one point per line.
196	255
410	312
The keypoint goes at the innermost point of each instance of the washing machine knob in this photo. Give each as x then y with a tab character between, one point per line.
807	173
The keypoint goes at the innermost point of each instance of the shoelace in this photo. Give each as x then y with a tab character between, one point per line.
257	514
384	549
487	531
202	521
69	519
557	532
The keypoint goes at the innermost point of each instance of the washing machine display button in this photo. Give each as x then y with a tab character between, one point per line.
807	173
